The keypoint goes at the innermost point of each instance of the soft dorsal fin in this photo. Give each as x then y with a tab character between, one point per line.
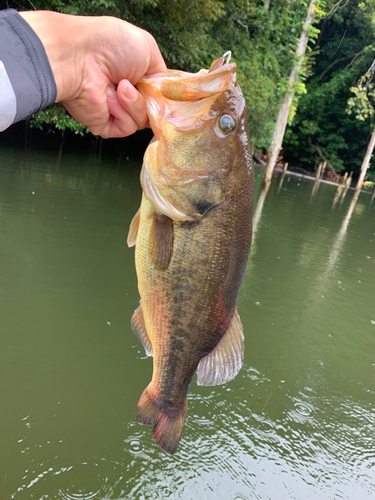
225	361
161	241
139	328
133	229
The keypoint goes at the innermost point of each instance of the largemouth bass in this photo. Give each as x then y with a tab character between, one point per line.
193	236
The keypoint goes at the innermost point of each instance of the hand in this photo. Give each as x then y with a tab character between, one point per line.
97	61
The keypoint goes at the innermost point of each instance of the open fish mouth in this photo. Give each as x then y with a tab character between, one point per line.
184	99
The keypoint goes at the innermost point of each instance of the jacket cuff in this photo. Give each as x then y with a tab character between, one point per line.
26	65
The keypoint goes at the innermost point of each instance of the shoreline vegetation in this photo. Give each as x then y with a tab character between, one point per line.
306	70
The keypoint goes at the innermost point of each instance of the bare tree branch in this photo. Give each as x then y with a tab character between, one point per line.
317	148
243	25
339	60
335	8
371	72
354	58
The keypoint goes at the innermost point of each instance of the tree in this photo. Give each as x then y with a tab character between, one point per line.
191	33
361	105
344	50
282	117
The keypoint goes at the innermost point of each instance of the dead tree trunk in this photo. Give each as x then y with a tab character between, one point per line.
366	161
282	118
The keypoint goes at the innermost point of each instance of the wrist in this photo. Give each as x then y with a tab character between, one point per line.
56	32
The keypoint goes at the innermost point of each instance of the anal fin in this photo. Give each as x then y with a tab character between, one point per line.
133	229
225	361
139	328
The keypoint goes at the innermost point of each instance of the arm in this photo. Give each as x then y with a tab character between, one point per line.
96	62
26	77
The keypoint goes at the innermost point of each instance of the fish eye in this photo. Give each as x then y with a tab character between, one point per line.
226	123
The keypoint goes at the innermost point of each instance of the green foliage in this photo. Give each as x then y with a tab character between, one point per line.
262	36
345	50
361	105
57	117
191	33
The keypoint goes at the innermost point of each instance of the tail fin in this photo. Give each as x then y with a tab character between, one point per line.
168	422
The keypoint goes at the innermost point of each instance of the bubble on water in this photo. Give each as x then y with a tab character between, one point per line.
109	323
303	409
32	192
134	444
80	495
257	303
373	322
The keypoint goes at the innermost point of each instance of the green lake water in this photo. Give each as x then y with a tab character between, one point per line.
298	422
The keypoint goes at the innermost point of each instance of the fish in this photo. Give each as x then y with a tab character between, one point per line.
192	237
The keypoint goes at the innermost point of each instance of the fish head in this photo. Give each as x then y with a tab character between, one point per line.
201	142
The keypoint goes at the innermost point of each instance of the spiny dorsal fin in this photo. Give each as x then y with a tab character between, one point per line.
161	241
225	361
133	229
139	328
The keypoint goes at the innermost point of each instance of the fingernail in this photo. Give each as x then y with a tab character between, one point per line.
130	92
111	94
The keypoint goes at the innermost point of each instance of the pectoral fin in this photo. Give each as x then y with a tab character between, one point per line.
139	328
133	229
225	361
161	241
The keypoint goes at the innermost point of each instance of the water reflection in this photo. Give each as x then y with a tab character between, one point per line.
281	182
339	190
315	188
339	240
297	422
259	205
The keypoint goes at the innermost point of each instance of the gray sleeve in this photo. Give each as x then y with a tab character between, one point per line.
24	66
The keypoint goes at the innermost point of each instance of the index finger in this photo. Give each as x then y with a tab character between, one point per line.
157	63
